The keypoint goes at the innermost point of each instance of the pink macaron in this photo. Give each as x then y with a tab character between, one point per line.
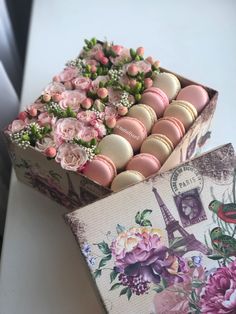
132	130
194	94
170	127
100	169
155	98
144	163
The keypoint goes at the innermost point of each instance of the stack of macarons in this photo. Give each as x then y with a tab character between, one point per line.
143	139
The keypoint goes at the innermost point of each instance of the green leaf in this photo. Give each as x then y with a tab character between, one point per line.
113	275
192	306
164	282
146	223
138	218
158	289
194	295
215	257
115	286
197	283
145	213
104	248
129	293
97	273
124	291
104	260
119	228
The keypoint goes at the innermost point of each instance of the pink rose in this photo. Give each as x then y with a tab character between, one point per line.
16	126
110	112
38	106
88	133
92	52
54	88
66	130
123	57
72	99
46	118
86	116
44	143
143	66
117	49
71	156
68	74
101	78
82	83
92	62
101	129
114	96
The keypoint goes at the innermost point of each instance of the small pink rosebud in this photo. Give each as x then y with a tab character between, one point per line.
132	83
111	122
22	115
57	97
140	51
33	112
117	49
104	60
148	82
149	60
56	79
99	55
122	110
87	103
156	64
93	68
68	85
50	152
133	70
102	92
46	97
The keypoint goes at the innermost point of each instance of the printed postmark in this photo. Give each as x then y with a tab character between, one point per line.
190	207
185	178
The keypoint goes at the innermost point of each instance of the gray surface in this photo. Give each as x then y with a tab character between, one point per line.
41	271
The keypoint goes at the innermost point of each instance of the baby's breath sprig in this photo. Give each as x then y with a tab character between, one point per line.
89	147
115	74
57	111
29	135
79	63
124	101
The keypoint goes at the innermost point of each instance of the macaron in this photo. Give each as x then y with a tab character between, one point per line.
126	178
158	145
168	83
170	127
145	114
132	130
155	98
117	148
146	164
183	111
100	169
194	94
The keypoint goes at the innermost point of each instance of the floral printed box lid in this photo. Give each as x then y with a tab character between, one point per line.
167	244
52	140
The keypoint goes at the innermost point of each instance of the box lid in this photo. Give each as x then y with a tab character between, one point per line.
160	244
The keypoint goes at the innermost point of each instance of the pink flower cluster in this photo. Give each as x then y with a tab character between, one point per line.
219	295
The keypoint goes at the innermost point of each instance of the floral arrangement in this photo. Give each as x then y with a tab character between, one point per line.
139	261
83	102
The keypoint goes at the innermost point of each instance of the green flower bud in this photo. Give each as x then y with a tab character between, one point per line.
88	67
94	41
137	87
86	41
137	58
132	53
137	97
94	76
25	137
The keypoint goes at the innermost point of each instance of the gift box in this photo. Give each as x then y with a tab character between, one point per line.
167	244
73	189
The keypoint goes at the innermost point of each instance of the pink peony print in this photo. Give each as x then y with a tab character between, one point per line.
219	295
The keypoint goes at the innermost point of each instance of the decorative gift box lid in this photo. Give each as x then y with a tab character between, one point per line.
167	244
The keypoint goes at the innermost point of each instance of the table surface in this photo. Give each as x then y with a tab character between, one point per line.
42	271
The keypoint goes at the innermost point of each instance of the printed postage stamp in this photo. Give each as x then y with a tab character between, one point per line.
190	207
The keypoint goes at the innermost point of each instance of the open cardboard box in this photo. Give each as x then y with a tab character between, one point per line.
167	244
74	190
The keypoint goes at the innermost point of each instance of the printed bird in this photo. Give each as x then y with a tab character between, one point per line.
222	243
226	212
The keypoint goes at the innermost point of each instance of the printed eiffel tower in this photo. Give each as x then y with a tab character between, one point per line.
188	240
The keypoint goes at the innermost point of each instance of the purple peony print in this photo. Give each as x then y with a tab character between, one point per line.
219	295
140	252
